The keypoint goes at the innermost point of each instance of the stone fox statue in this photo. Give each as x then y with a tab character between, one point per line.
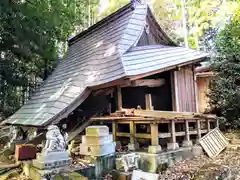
55	140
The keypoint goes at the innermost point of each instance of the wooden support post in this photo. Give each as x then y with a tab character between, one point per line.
208	125
187	142
154	135
173	143
119	98
173	132
198	129
114	130
132	132
148	101
187	130
217	123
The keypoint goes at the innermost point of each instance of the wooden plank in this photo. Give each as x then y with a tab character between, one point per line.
176	91
148	102
119	98
213	142
174	107
148	82
109	118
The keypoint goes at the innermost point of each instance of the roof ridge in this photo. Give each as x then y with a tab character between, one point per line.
101	23
135	36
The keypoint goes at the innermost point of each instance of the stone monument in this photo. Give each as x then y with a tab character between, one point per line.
54	154
97	142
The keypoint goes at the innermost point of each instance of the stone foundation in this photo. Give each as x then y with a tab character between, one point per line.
151	162
172	146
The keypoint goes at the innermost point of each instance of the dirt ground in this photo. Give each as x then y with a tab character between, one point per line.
226	166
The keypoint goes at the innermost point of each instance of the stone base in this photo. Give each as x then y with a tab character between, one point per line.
172	146
40	174
133	147
52	160
154	149
152	162
187	143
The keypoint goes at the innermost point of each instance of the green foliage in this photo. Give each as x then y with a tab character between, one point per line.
30	32
226	84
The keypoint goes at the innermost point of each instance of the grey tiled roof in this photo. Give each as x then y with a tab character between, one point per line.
99	55
144	59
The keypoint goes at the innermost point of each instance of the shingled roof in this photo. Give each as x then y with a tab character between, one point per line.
103	53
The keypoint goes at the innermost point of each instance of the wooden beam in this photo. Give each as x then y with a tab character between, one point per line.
119	98
166	114
148	82
148	102
144	83
137	135
176	92
154	135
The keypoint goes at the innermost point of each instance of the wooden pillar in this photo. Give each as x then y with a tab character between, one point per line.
187	131
114	130
173	132
154	135
208	125
148	102
132	132
119	98
198	129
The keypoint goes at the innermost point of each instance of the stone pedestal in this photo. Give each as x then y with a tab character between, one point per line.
154	149
187	143
52	160
172	146
97	142
54	156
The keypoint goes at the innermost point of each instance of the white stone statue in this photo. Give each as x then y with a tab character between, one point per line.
55	140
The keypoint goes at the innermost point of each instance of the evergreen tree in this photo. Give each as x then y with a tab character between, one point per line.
226	64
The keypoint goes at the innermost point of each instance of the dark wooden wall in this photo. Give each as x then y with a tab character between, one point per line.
184	90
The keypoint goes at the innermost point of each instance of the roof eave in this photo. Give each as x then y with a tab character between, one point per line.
134	77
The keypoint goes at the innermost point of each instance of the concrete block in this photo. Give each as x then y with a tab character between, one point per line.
97	131
133	147
172	146
187	143
97	150
154	149
197	150
100	140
